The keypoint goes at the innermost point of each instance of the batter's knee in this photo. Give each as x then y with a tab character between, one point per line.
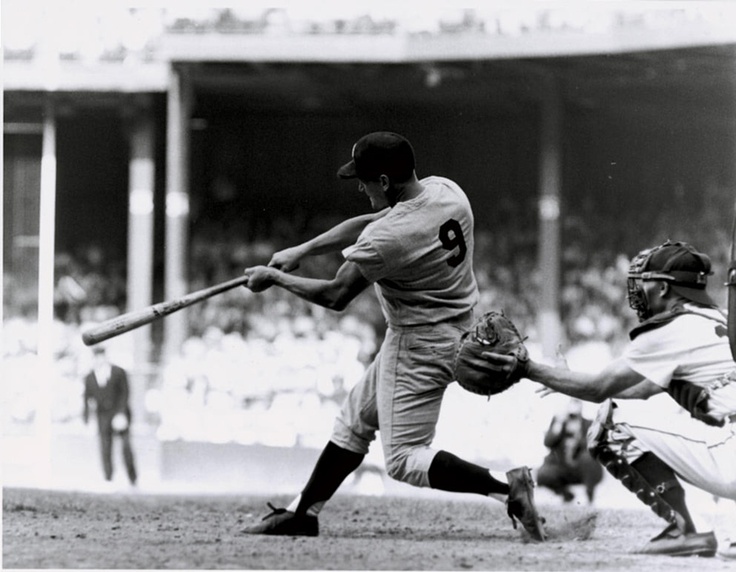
410	465
352	438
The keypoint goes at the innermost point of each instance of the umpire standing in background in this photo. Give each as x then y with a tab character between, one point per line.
107	385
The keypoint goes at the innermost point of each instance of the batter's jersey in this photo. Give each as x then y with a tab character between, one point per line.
420	256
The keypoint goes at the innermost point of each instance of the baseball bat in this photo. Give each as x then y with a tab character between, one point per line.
137	318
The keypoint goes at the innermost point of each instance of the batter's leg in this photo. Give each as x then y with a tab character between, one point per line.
332	468
355	429
415	374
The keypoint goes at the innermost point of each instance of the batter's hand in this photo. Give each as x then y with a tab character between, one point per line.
286	260
260	278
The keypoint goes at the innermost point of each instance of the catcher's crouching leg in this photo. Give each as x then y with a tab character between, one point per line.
678	539
608	453
622	471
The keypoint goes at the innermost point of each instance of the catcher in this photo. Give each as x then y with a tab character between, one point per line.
674	414
417	249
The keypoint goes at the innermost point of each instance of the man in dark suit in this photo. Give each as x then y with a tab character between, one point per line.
107	385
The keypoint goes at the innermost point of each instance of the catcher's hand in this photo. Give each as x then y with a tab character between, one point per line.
491	356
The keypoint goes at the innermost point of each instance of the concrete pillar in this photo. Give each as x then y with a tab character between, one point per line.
550	184
46	233
177	208
141	170
46	253
141	184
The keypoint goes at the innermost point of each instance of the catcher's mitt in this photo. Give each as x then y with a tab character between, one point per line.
492	332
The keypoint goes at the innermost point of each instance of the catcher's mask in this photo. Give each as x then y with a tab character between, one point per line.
685	269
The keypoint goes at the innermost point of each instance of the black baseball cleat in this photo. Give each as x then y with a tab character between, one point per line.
281	522
520	503
673	542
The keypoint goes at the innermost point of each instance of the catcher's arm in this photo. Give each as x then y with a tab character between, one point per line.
338	237
616	380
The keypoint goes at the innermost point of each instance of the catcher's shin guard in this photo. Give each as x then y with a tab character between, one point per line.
650	495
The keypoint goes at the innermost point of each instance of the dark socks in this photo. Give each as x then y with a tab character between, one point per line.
332	468
658	474
450	473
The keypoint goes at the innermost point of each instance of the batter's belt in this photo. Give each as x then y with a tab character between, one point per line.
460	320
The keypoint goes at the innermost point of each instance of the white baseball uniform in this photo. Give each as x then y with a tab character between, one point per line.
692	347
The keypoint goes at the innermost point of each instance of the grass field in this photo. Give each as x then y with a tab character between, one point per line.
59	529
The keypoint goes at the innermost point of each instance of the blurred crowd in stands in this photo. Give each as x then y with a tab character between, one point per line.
268	368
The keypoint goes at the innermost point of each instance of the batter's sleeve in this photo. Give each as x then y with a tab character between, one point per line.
369	261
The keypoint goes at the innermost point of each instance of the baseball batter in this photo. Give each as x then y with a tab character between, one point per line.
417	249
674	416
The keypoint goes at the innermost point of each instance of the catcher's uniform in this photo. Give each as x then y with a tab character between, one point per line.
692	348
420	257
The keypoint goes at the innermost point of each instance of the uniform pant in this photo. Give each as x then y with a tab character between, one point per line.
107	434
702	455
400	395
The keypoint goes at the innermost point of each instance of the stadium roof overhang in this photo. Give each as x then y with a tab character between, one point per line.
697	79
691	69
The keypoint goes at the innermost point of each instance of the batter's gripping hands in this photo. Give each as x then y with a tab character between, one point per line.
492	332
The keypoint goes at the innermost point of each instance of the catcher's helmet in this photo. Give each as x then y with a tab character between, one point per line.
679	264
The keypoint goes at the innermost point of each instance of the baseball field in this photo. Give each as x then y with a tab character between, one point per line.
122	530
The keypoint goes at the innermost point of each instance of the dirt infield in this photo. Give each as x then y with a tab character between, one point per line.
56	529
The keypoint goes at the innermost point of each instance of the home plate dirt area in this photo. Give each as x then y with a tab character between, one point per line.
62	529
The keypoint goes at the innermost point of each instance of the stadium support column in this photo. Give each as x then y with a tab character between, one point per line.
177	207
141	182
46	254
550	179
